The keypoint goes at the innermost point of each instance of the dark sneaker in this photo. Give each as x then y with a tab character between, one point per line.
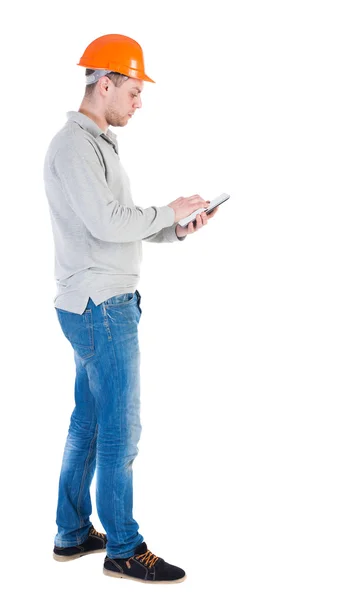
143	566
95	542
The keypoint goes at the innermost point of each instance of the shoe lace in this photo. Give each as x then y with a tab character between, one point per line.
148	558
93	530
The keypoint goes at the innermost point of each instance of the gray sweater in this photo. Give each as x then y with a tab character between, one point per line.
97	229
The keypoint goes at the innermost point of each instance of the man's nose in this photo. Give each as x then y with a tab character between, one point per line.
138	102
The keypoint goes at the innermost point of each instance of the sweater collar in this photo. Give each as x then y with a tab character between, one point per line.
90	125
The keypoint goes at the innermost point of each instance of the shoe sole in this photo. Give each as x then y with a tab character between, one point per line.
122	576
61	558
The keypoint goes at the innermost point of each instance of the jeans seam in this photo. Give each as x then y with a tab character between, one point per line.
85	472
115	366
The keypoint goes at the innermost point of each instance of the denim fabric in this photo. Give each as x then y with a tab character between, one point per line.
105	424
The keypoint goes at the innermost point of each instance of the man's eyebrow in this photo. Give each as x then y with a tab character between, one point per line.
137	88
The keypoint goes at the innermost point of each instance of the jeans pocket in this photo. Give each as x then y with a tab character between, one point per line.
121	299
79	331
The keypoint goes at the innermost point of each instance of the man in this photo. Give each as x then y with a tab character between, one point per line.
98	233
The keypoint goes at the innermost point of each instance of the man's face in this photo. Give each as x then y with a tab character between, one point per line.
123	101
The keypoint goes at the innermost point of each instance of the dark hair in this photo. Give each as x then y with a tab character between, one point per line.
117	79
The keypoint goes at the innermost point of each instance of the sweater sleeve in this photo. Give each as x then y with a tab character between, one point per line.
168	234
82	177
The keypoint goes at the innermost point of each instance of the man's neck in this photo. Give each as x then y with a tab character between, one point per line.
100	121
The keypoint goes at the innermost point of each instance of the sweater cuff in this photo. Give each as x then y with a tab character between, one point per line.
171	236
168	215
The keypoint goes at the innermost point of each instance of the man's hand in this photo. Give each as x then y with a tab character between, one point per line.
200	220
185	206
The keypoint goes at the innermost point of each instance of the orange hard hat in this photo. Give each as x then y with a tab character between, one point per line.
117	53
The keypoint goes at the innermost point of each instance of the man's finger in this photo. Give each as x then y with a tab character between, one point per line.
213	212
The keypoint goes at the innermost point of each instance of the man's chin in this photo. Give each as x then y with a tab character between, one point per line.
119	124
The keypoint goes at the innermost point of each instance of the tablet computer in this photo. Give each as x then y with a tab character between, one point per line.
219	200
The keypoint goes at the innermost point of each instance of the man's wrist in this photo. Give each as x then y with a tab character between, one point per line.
180	237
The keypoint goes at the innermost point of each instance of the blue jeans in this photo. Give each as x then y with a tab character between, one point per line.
105	424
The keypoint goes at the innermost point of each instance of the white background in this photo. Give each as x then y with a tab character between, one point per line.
246	469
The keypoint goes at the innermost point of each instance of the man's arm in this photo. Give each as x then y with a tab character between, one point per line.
82	177
168	234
